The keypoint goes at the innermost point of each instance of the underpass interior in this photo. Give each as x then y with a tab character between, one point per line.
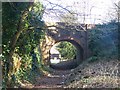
57	63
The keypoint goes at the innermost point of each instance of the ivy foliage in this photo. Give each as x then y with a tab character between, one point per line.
26	48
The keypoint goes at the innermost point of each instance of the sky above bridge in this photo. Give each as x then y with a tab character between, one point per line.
87	11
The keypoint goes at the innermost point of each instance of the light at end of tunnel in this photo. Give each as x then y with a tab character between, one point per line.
71	38
51	27
55	61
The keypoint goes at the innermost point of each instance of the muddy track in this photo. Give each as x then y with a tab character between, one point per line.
54	80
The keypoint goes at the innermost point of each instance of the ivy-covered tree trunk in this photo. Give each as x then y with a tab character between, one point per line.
20	26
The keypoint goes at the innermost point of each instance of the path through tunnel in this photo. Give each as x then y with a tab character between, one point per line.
57	62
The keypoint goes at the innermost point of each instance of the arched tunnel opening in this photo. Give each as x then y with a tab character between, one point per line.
59	61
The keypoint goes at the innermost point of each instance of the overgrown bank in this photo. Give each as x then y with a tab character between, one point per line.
99	74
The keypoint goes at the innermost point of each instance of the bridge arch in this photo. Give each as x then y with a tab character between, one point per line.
77	36
72	63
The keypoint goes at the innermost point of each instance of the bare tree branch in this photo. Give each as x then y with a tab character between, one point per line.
59	6
117	6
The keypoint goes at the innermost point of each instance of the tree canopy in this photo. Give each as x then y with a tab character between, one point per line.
67	50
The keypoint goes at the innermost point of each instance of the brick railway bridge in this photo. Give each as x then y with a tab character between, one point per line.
77	34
